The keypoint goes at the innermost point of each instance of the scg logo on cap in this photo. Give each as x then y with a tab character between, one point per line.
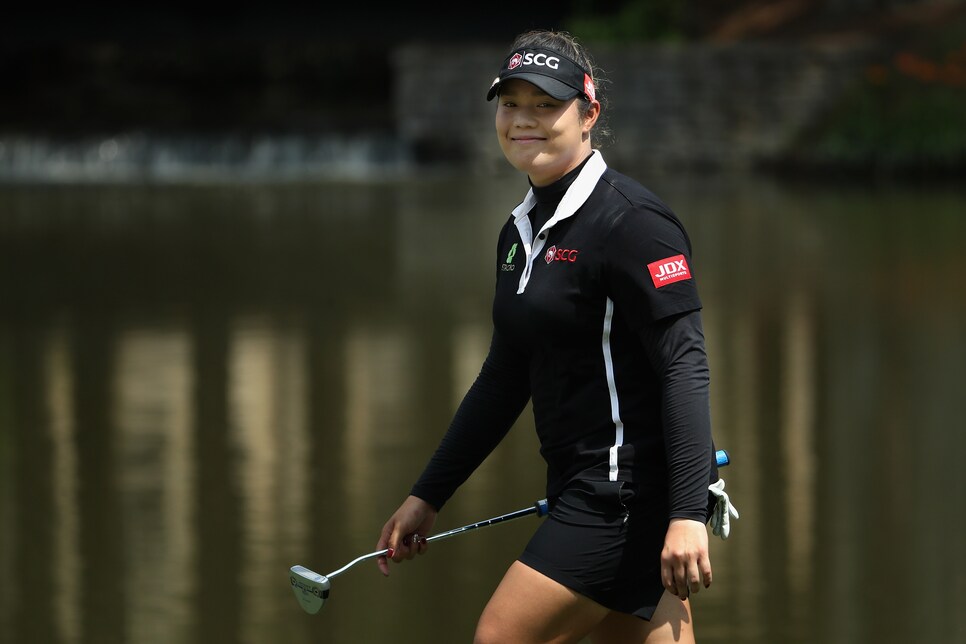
525	58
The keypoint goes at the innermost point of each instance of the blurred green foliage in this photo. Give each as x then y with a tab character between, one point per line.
906	114
629	22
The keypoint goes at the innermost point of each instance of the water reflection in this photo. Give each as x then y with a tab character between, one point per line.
201	386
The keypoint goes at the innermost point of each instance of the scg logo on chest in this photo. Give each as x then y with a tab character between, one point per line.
555	254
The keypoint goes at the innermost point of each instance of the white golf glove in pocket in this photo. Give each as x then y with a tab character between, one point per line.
720	519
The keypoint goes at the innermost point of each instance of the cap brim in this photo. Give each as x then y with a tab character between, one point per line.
553	87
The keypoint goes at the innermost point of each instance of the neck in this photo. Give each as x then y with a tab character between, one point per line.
546	180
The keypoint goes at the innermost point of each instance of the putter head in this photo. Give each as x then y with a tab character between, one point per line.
310	588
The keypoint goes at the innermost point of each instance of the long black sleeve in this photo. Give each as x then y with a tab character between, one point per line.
676	349
491	406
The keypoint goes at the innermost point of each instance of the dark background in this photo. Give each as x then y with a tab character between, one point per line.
270	66
328	67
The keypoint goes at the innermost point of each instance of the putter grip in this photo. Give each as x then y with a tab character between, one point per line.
543	508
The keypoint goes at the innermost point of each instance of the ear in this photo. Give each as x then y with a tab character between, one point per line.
591	114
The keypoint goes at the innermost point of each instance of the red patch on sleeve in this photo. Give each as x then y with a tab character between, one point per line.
668	271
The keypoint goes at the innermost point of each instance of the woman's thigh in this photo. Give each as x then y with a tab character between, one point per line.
528	607
671	623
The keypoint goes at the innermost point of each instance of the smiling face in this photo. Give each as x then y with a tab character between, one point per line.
540	135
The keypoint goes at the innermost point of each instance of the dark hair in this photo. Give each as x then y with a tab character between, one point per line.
565	43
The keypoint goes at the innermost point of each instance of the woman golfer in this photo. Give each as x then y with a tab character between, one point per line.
597	322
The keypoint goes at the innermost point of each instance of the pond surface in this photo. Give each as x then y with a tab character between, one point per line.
203	385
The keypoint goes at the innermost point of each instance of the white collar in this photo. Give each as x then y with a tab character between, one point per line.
574	198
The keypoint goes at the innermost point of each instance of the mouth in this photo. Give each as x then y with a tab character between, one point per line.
527	139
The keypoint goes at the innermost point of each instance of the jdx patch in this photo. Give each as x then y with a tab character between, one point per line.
669	270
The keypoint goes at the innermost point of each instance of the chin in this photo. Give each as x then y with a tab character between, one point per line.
524	163
543	170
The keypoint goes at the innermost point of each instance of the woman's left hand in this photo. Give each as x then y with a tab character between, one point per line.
685	562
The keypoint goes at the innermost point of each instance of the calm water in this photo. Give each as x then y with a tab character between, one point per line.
201	386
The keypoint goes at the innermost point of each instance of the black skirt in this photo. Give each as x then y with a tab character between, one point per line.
603	539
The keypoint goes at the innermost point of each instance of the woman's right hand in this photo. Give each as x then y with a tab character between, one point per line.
405	532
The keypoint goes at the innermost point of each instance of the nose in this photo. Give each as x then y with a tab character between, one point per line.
524	118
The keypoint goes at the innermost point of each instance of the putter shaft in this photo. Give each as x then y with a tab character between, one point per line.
540	508
371	555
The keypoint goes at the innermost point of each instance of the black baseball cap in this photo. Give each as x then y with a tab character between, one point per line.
552	72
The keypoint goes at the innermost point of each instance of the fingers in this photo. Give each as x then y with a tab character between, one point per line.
383	564
686	577
407	547
383	544
685	563
404	534
705	567
683	580
670	574
412	545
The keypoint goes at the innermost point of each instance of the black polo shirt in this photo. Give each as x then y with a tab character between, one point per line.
578	299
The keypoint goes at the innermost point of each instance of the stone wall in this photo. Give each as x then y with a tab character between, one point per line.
671	106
